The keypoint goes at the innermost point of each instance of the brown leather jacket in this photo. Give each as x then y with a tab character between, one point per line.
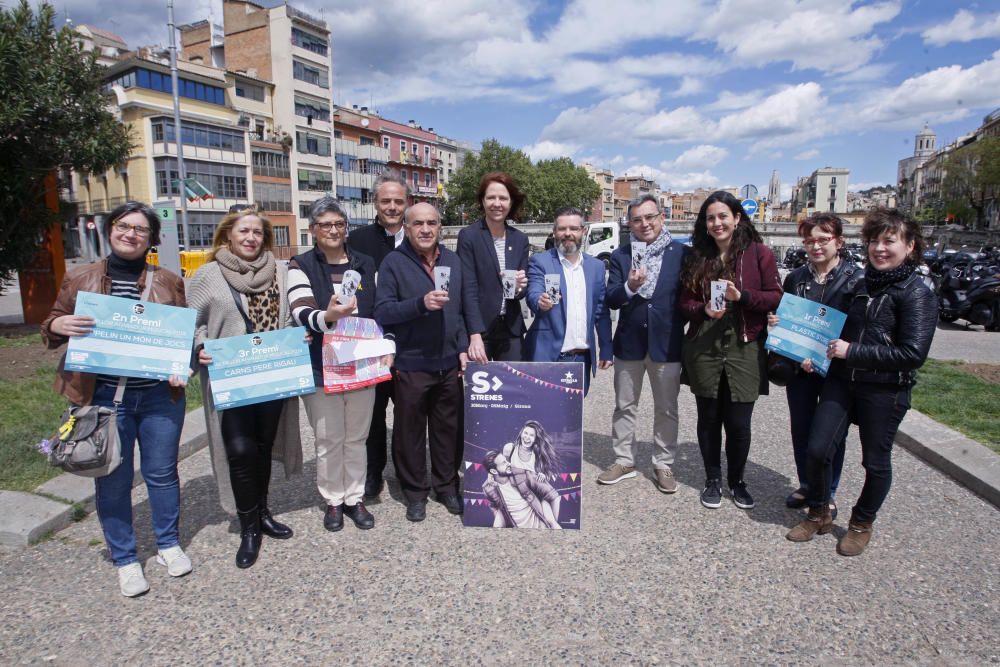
168	289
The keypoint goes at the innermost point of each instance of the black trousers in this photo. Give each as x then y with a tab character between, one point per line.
878	410
713	415
426	403
377	443
248	434
503	347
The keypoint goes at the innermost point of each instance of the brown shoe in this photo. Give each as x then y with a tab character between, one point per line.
817	522
855	539
665	480
616	473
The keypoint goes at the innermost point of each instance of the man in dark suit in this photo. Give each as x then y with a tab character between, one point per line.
377	240
488	248
647	341
564	329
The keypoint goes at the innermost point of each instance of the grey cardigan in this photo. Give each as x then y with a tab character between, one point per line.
218	317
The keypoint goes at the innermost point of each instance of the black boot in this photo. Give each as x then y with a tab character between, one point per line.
250	538
269	526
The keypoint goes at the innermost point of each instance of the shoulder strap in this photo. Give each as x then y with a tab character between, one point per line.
150	271
239	308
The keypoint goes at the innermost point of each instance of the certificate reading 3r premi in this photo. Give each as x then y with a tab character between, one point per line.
132	338
259	367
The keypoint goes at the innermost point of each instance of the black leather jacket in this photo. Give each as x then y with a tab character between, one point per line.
837	292
890	333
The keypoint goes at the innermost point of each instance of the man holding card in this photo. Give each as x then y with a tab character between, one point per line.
566	293
419	302
644	284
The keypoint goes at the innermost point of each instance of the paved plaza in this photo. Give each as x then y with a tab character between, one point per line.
650	578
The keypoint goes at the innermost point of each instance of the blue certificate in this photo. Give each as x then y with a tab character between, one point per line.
259	367
805	330
132	338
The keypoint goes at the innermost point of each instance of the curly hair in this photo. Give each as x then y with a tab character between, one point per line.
546	458
705	263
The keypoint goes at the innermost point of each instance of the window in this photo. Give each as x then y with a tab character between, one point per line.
402	175
312	144
223	180
269	163
833	180
250	91
202	225
427	180
319	181
598	235
308	41
144	78
833	193
385	143
366	141
273	197
427	155
281	235
198	134
337	134
416	180
402	146
312	109
314	74
304	210
304	238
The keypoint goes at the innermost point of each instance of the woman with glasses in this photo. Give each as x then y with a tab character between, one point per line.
722	354
339	421
150	412
828	279
241	290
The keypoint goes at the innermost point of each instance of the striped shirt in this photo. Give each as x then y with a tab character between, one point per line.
302	302
498	244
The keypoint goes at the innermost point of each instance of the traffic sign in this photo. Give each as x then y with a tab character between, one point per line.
750	206
169	248
749	191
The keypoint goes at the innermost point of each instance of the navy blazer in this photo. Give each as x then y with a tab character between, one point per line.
545	337
652	326
481	281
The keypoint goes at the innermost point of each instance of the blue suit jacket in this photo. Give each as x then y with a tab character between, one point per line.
545	337
481	277
648	326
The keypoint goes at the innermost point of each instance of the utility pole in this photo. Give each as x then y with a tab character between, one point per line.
181	171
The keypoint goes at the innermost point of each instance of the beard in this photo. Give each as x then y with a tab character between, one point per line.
569	246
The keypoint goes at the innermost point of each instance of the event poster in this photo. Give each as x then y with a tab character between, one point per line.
132	338
351	354
523	445
805	329
259	367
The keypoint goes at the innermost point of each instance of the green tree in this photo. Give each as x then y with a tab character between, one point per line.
53	116
493	156
972	177
560	183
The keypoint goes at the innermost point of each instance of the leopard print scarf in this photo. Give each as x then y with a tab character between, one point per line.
265	308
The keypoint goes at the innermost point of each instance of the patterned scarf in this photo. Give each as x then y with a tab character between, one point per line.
654	258
876	280
246	277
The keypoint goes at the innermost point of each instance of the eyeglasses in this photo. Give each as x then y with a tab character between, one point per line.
339	225
819	241
126	227
649	217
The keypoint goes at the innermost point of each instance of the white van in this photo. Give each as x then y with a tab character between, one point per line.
602	239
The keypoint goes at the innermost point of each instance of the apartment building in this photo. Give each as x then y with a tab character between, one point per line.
603	208
360	159
414	154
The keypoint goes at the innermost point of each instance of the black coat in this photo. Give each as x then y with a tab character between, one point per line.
890	332
838	291
481	278
372	241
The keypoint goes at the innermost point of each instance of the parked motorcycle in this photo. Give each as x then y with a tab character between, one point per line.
969	289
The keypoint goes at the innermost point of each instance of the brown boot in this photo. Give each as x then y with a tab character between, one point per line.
818	521
855	539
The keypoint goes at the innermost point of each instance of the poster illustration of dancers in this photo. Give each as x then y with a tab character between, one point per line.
523	445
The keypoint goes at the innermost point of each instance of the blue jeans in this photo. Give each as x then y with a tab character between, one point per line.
803	396
877	409
150	416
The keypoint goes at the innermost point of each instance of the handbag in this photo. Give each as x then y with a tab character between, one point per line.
87	443
780	370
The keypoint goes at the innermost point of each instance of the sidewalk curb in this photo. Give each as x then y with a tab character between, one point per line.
25	518
968	462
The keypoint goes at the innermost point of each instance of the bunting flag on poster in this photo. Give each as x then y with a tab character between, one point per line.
523	445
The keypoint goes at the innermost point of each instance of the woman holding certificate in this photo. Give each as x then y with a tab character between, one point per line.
890	325
319	282
149	411
730	282
241	290
830	280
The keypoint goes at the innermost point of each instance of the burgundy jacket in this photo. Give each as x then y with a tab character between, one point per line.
168	289
760	292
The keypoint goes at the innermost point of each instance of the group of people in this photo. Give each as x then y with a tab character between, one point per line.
667	330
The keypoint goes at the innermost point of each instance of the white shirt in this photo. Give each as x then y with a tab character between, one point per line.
398	237
576	304
498	248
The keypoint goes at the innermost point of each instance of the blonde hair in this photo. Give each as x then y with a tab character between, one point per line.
221	237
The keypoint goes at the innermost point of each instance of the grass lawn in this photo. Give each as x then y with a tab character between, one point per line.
29	412
960	400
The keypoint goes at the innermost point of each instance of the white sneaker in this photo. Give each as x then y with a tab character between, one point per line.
177	562
131	580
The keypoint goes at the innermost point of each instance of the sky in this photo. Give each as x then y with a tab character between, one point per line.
690	93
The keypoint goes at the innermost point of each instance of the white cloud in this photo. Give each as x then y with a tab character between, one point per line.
689	86
941	95
963	27
790	110
728	101
701	156
680	124
810	154
671	180
546	150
